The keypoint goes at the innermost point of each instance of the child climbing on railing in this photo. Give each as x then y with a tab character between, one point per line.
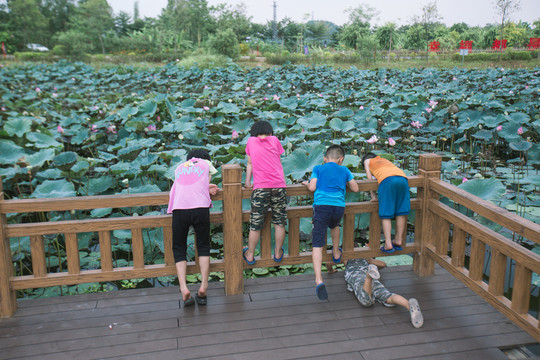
190	203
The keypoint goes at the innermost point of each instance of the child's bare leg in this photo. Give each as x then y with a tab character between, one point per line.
387	231
398	300
253	240
401	223
334	233
380	264
279	233
181	271
316	255
368	284
204	265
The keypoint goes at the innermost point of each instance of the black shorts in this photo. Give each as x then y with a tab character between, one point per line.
199	218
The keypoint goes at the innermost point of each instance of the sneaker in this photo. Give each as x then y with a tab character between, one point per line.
373	271
388	305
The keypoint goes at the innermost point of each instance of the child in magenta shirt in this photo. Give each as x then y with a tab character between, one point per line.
263	152
190	203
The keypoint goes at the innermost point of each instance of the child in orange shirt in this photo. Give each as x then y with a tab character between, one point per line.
394	199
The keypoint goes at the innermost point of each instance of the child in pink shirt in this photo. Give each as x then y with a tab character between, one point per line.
190	203
263	152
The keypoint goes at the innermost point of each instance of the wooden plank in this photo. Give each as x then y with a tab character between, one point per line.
266	237
442	230
476	262
511	221
502	304
8	298
294	236
506	246
348	232
72	253
137	246
458	247
105	250
87	276
374	231
522	289
37	249
497	271
232	229
92	225
168	244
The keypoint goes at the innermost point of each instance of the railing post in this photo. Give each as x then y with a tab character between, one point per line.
8	299
232	228
429	166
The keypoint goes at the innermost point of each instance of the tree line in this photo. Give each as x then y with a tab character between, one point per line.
70	27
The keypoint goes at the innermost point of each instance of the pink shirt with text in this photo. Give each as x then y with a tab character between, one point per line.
190	187
266	162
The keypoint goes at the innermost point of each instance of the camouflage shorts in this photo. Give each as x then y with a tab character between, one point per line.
263	200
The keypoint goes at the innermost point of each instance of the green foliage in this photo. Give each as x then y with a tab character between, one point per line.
74	44
204	61
225	43
33	56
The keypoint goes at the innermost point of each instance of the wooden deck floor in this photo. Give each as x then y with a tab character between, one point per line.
276	318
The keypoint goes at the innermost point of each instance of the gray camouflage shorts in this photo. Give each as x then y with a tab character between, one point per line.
263	200
355	275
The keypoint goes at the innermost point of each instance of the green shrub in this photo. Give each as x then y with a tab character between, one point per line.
244	49
59	50
33	56
75	44
205	61
225	43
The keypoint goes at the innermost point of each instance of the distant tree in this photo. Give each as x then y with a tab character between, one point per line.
58	14
189	16
414	37
26	22
358	27
122	23
318	31
428	20
504	9
232	17
387	36
459	27
536	29
225	43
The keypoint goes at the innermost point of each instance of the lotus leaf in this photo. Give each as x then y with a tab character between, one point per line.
39	158
99	213
65	160
487	189
54	188
313	121
520	146
342	126
42	140
300	162
18	126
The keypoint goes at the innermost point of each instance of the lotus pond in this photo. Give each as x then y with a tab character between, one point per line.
69	129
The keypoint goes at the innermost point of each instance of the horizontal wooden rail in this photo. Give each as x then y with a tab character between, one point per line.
509	220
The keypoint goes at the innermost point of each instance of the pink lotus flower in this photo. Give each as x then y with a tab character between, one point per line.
3	108
428	109
455	78
499	128
433	103
464	180
151	127
526	87
361	107
294	87
206	86
500	79
158	119
94	128
60	129
206	108
38	89
391	142
112	129
416	124
510	92
265	98
55	88
269	85
54	95
252	91
380	101
320	95
520	131
234	134
276	98
372	140
247	89
297	95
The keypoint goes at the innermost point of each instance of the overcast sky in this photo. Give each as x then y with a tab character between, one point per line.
472	12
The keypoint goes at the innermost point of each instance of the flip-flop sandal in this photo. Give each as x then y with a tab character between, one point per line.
396	246
245	258
201	300
337	261
280	258
373	271
417	319
322	294
389	251
186	303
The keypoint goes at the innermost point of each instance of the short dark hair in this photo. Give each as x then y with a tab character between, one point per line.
369	155
261	127
199	154
335	152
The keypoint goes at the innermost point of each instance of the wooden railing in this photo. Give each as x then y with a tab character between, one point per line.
433	223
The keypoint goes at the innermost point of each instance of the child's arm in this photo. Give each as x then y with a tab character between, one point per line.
370	177
311	185
249	171
353	186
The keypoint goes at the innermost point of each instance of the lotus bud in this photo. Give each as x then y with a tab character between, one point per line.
433	143
180	137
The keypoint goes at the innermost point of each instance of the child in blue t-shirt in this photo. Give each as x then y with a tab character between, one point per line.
329	182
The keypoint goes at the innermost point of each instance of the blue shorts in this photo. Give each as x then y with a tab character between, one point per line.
324	217
394	198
